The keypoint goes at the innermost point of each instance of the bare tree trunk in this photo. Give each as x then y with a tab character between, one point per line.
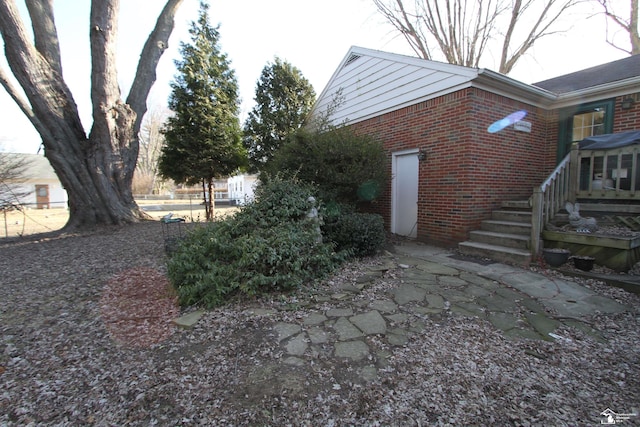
96	171
209	203
151	141
634	33
630	26
205	202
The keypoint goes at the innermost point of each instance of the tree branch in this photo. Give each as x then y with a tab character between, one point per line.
50	103
105	91
403	24
22	103
154	47
45	33
539	29
515	14
630	26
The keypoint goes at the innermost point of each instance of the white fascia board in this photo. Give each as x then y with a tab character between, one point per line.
501	84
506	86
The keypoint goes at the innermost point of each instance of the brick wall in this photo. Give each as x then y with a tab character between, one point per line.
625	120
468	171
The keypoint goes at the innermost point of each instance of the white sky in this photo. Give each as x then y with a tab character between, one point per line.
312	35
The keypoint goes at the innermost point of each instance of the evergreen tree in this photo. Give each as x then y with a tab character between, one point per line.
284	98
203	137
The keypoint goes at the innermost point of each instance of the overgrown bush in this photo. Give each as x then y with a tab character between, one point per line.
356	234
270	245
346	167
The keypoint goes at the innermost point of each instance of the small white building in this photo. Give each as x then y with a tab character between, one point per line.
39	185
241	188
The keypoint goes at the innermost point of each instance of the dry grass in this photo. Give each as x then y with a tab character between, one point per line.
34	221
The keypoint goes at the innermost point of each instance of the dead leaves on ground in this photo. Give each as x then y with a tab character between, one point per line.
137	307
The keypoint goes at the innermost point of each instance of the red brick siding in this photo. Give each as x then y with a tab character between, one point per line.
625	120
468	171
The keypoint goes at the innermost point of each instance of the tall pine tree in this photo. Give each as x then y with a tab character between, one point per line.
203	137
284	98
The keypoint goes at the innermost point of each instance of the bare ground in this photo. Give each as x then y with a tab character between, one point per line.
86	340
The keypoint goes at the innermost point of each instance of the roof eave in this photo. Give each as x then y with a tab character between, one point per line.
503	85
596	93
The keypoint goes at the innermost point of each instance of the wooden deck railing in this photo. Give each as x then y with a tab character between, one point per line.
608	174
585	174
548	199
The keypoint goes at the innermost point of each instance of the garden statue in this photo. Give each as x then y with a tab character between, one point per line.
582	225
313	216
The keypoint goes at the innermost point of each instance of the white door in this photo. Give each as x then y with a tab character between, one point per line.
404	213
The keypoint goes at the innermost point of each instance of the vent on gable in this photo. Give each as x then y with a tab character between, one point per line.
353	58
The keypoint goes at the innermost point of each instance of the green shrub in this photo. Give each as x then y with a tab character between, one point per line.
277	200
358	234
345	167
270	245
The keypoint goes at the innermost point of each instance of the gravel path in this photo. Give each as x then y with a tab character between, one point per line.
86	339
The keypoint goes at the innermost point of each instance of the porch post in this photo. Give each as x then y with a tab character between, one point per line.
536	222
574	173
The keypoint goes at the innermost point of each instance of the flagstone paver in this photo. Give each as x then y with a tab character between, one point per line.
347	330
434	301
339	312
384	306
354	350
315	319
297	345
318	335
408	293
452	281
285	330
398	318
188	320
370	323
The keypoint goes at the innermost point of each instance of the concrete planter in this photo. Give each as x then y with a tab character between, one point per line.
584	263
555	257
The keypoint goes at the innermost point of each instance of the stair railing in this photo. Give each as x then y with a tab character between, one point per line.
550	197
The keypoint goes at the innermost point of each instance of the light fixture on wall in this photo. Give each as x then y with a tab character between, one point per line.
627	102
422	155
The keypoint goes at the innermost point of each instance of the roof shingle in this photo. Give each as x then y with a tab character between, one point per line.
595	76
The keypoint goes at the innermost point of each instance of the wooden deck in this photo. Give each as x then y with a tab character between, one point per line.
606	178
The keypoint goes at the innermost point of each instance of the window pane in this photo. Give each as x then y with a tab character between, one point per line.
588	124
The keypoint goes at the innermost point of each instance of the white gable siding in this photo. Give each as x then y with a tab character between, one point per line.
369	83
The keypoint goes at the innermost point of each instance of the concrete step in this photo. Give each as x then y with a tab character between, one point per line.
511	215
516	204
510	227
497	253
518	241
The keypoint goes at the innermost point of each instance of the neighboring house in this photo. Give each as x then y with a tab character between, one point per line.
195	192
241	188
39	183
449	172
